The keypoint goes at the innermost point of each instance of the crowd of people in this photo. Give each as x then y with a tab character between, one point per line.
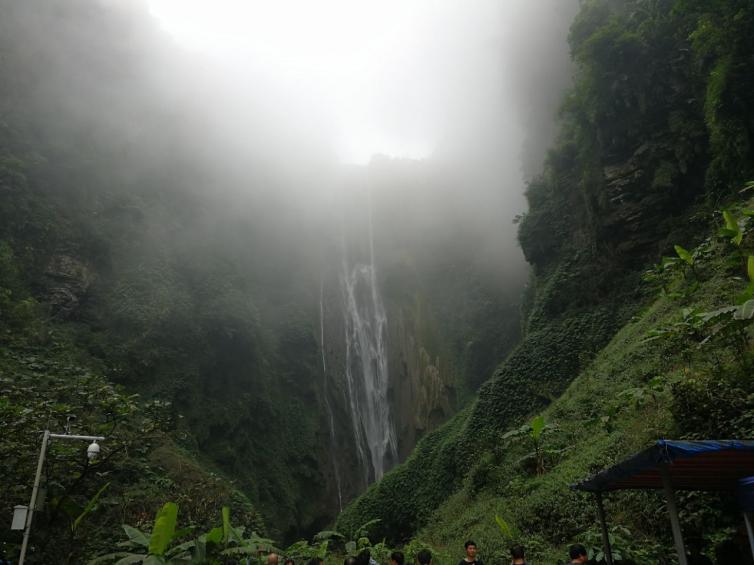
577	554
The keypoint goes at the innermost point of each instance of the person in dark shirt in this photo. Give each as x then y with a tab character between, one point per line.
364	557
578	554
728	553
470	558
518	555
695	555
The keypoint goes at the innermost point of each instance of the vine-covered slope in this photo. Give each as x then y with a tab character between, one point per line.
656	134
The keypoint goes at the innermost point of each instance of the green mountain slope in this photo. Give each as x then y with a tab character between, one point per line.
656	135
635	391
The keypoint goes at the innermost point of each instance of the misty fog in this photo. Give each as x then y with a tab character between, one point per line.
275	204
274	104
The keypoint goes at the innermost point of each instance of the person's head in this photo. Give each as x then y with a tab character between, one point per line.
272	559
350	560
289	561
694	546
577	553
424	557
315	561
396	558
728	553
470	549
517	553
363	557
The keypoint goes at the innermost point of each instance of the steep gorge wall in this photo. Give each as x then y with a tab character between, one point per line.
198	295
445	318
646	133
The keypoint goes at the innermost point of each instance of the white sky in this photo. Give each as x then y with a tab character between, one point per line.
387	76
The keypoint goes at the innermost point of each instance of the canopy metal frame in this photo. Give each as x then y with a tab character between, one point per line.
709	465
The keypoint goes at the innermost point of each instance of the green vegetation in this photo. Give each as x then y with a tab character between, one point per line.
211	548
179	315
118	278
654	140
691	384
635	391
85	501
163	544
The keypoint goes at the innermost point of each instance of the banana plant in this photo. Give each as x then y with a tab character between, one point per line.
748	293
733	228
154	548
684	255
531	431
505	528
209	548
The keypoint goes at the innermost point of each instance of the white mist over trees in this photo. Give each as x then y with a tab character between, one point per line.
295	88
212	173
469	84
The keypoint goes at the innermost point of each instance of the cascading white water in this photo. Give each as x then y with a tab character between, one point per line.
328	408
367	364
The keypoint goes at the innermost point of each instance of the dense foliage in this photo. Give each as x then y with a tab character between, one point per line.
118	276
44	380
655	136
130	265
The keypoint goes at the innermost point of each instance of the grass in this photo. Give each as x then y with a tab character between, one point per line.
625	399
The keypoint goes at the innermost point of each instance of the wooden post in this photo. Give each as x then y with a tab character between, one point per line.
749	531
603	525
675	523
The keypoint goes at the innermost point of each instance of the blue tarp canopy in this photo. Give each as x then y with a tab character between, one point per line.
712	465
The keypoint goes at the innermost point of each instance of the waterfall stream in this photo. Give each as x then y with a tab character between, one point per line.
367	364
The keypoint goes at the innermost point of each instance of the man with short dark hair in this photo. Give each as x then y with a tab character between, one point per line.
396	558
470	558
577	553
364	557
424	557
518	556
694	554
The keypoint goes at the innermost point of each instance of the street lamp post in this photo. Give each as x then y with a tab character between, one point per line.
91	452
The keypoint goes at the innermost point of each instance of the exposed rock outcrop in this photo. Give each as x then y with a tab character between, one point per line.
67	281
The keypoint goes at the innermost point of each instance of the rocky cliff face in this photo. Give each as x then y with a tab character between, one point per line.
424	385
447	324
67	280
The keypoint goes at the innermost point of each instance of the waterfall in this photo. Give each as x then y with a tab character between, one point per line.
328	408
367	364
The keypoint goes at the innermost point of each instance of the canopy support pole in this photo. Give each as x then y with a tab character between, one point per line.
750	531
603	525
675	523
